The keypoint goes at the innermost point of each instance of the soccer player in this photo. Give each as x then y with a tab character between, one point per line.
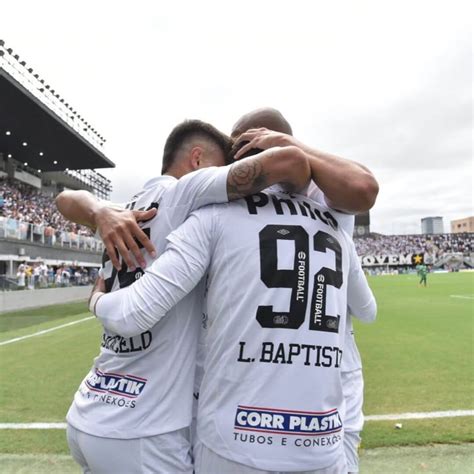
132	410
281	273
351	367
422	271
342	184
119	227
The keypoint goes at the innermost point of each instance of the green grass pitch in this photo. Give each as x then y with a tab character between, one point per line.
418	357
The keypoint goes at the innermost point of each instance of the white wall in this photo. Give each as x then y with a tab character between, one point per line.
13	300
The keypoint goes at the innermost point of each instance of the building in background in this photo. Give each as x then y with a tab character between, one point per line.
462	225
432	225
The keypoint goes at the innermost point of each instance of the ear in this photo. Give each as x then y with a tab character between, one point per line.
196	156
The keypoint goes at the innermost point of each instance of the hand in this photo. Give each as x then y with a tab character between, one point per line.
99	287
119	230
261	138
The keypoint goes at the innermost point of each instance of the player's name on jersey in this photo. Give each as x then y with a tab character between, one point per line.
124	345
288	206
290	353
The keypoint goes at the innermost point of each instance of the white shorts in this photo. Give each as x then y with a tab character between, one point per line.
351	450
167	453
209	462
353	388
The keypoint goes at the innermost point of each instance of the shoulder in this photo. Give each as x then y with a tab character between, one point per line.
153	190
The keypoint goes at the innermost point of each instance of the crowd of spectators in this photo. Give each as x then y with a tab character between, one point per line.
24	203
434	244
39	219
40	275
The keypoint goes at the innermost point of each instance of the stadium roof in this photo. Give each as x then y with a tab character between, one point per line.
33	132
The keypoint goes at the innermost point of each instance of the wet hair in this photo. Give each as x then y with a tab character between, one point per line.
189	130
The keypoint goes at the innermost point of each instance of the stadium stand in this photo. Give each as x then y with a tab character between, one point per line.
442	251
24	203
435	244
46	146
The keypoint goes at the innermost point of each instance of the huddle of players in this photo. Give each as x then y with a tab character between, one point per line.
272	273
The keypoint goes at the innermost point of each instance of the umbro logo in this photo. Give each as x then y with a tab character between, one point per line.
283	231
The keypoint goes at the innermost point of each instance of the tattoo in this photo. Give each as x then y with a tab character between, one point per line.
245	177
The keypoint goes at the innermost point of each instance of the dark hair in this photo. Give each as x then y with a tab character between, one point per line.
191	129
238	145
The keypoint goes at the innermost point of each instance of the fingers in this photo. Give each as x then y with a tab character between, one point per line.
248	146
144	241
123	251
133	248
127	242
121	233
143	216
116	242
111	252
247	136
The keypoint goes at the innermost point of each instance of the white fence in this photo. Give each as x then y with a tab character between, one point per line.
47	235
15	300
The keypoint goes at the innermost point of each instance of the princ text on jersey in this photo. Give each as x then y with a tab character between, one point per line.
289	206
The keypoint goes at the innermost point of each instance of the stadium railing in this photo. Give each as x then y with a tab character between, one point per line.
47	235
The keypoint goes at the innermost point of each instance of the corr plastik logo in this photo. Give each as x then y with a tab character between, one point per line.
128	386
287	422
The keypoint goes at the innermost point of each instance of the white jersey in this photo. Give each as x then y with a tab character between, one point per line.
280	276
346	223
351	358
142	385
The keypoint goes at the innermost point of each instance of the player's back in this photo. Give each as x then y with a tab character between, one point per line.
134	388
271	395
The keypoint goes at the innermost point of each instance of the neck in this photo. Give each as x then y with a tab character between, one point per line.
178	170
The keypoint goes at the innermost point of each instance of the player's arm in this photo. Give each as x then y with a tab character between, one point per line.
347	185
360	299
138	307
117	228
288	165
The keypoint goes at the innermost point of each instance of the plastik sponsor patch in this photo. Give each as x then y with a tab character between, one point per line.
128	386
287	422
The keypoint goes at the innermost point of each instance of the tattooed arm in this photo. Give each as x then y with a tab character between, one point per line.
347	185
288	166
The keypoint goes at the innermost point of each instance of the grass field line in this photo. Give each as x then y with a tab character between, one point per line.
420	415
33	426
45	331
464	297
396	416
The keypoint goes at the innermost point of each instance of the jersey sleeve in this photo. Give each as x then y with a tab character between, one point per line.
315	194
360	299
137	308
197	189
346	221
